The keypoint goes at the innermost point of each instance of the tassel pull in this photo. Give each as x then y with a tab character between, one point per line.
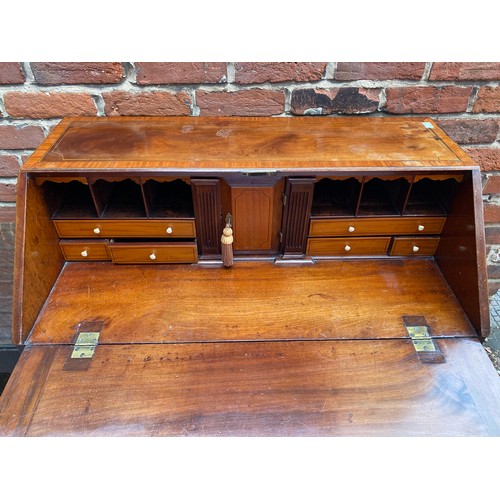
227	243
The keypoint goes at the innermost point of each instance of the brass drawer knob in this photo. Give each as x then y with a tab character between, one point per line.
420	227
415	248
169	230
351	229
97	230
84	253
152	256
347	248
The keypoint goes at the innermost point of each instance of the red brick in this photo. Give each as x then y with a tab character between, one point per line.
146	103
343	100
7	192
492	185
21	137
379	71
180	73
57	73
493	271
493	287
11	72
255	102
487	158
48	104
8	214
466	131
422	99
492	234
465	71
9	166
260	72
491	214
488	100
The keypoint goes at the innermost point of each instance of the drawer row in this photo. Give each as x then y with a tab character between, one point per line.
381	245
168	252
376	226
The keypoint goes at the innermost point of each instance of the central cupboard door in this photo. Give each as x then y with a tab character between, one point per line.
257	212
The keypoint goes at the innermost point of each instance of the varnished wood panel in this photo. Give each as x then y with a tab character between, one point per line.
344	388
366	226
347	246
125	228
253	208
299	195
414	246
461	253
192	143
353	299
38	258
208	215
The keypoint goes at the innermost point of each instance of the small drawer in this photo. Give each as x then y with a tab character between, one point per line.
99	228
84	250
368	226
347	246
414	246
153	253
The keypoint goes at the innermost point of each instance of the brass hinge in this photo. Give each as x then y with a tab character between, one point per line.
85	345
281	236
284	199
425	346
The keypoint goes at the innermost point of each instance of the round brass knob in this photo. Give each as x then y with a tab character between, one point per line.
351	229
97	230
152	256
420	227
415	248
169	230
84	253
347	248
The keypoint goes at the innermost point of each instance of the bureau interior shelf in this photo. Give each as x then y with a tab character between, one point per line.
168	199
430	197
127	198
379	197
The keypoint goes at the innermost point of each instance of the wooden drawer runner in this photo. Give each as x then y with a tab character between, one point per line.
153	253
84	250
376	226
168	228
414	246
347	246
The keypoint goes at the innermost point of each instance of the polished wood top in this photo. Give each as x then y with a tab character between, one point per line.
304	388
252	301
235	143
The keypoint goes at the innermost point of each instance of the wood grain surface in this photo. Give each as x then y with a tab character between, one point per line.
121	143
250	301
343	388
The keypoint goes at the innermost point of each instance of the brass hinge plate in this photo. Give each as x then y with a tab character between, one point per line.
85	345
425	346
422	341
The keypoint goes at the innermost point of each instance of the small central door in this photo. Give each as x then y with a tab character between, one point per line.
257	212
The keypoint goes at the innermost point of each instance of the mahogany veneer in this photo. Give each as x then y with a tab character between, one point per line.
355	306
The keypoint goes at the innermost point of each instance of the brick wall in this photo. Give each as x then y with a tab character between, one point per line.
464	98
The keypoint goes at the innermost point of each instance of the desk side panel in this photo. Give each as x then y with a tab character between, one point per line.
38	259
461	254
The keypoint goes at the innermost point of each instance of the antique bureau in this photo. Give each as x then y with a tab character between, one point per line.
356	304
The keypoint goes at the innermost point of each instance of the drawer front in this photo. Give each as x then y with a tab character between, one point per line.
174	228
84	250
414	246
153	253
375	226
347	246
